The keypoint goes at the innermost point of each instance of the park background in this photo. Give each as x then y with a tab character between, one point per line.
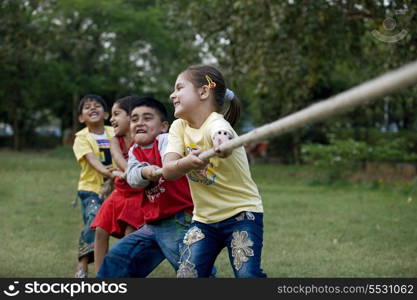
339	195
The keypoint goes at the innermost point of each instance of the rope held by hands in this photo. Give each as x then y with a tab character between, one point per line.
359	95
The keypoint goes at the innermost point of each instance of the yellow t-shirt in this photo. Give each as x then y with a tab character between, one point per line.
225	187
90	179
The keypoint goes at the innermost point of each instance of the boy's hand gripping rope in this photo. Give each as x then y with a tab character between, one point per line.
359	95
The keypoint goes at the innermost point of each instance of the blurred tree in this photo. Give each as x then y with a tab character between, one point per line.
21	49
281	56
113	48
54	52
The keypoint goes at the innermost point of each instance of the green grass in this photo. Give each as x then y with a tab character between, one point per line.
311	229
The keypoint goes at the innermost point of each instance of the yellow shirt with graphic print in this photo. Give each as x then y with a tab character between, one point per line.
90	179
225	188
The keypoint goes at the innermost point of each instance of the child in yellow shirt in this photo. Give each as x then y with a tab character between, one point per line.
228	210
92	151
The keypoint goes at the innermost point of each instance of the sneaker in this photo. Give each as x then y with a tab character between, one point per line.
80	273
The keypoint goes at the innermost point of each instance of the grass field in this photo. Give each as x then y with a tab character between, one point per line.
311	229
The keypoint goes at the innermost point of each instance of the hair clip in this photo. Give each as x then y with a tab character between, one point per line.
229	95
211	83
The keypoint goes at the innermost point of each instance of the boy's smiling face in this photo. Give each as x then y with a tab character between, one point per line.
146	125
92	113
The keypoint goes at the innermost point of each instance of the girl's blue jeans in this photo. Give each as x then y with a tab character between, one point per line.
140	252
242	234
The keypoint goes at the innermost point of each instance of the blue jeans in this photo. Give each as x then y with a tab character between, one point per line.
241	234
90	204
139	253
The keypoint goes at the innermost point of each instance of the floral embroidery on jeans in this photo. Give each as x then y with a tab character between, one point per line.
240	217
241	248
187	270
193	235
250	216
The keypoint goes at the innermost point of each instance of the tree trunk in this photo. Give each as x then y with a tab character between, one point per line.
17	129
296	153
75	99
16	135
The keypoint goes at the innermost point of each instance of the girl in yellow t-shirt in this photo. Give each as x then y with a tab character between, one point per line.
228	209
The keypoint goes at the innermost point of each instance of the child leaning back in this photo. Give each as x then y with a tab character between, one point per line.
120	214
228	210
92	151
166	205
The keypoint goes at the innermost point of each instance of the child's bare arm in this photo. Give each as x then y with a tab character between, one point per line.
117	154
174	166
98	166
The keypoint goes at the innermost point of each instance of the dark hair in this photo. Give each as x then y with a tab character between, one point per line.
126	103
197	75
152	103
91	97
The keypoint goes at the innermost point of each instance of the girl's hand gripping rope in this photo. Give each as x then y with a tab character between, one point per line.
191	162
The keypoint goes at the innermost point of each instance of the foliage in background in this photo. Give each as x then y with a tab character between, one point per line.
341	156
339	152
279	57
54	52
358	146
